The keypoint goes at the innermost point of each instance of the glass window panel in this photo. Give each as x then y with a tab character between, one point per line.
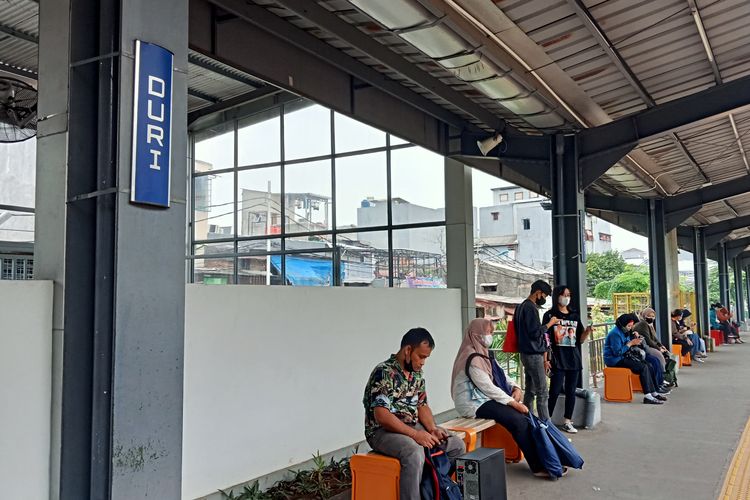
308	196
259	201
417	186
204	249
397	141
307	269
258	270
352	135
259	138
214	149
259	246
16	226
18	173
214	213
364	258
307	132
316	242
218	271
419	258
361	191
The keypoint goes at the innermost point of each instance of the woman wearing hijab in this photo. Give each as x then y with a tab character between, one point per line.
566	353
616	347
480	389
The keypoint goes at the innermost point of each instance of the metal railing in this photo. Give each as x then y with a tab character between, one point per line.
511	363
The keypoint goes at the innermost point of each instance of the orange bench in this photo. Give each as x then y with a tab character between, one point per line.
619	384
685	360
493	436
377	477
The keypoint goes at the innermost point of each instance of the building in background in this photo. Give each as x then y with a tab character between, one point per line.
519	225
635	256
18	172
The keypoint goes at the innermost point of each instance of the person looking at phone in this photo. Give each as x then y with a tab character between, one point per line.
617	345
532	346
398	420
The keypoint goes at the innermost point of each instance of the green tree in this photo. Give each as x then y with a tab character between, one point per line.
632	280
601	267
713	284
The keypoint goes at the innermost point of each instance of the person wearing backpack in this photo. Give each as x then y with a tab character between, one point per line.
398	420
481	389
566	338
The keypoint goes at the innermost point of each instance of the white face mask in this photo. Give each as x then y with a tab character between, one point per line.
564	301
487	340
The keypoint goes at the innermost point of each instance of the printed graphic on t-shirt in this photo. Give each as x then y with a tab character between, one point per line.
565	333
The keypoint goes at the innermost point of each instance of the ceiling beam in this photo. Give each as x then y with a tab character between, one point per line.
695	11
233	102
618	204
203	96
729	225
709	194
25	73
665	118
221	70
361	41
21	35
738	243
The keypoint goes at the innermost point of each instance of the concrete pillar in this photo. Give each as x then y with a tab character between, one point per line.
700	269
459	234
568	243
738	290
673	270
118	268
723	275
658	269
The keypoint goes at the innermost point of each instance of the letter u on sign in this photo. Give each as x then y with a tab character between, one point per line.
152	125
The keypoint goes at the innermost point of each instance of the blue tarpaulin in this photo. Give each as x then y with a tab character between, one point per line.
305	271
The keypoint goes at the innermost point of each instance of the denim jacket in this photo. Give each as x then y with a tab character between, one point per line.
615	346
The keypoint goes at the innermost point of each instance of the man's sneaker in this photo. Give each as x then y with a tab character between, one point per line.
652	401
699	360
661	397
663	390
568	427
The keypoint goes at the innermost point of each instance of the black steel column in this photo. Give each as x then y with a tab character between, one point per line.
738	290
568	216
700	280
657	263
118	268
723	275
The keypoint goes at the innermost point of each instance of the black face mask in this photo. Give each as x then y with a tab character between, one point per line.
649	320
541	301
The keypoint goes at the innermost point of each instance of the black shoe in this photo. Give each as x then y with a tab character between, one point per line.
661	398
647	401
663	390
668	384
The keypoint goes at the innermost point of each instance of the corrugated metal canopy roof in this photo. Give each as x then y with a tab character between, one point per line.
586	62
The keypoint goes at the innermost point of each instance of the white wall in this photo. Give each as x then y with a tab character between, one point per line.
275	374
25	390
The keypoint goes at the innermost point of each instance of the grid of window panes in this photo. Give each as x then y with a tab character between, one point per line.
16	268
301	195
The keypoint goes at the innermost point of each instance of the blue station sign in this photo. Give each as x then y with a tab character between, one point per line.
152	125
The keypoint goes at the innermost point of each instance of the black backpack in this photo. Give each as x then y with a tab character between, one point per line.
436	477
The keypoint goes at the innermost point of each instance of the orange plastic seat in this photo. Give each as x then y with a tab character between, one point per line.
498	436
635	382
686	360
677	350
618	385
375	477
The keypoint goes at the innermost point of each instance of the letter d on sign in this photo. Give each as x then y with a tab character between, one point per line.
152	125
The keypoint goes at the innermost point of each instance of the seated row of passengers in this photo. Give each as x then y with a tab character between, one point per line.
398	419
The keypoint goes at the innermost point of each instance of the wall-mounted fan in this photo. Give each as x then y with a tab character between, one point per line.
18	102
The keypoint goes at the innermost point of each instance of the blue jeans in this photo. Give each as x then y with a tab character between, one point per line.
656	368
696	347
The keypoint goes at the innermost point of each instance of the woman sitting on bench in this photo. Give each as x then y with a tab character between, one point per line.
481	389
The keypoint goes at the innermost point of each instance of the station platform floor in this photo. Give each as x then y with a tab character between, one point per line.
684	449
